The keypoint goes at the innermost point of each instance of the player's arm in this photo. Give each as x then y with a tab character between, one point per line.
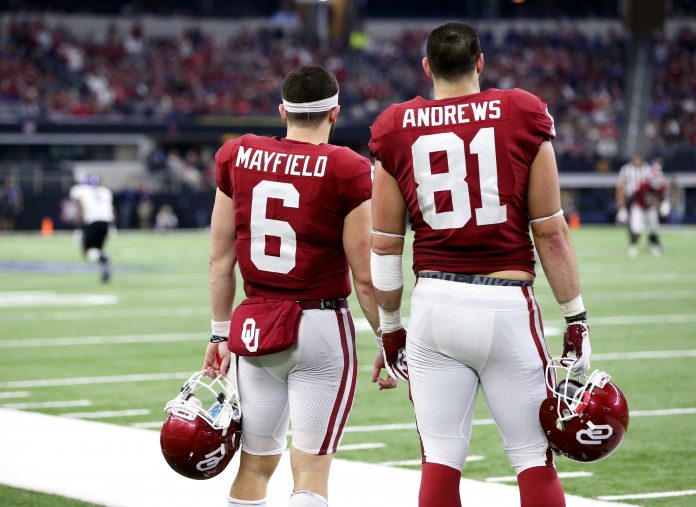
356	245
556	252
221	282
388	229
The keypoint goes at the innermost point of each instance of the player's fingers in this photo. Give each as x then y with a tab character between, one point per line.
224	365
376	370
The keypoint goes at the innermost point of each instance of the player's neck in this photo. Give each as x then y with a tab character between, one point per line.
449	89
308	135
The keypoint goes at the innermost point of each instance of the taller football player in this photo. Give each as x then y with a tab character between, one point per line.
294	213
473	169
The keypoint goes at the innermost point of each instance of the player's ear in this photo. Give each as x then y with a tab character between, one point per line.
426	67
333	114
479	64
283	113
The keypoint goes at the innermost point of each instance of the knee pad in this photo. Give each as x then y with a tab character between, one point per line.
304	498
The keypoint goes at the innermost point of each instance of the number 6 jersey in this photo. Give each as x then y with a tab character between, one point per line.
462	165
290	200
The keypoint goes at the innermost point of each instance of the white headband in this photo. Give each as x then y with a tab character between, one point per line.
311	107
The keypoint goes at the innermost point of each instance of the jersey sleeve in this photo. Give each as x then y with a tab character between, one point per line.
357	184
222	166
378	146
538	125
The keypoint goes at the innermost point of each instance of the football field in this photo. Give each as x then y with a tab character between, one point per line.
117	353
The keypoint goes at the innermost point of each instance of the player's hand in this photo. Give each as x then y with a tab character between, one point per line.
394	352
576	343
622	215
216	360
665	208
384	383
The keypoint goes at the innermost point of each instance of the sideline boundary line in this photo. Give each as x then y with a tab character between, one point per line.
110	451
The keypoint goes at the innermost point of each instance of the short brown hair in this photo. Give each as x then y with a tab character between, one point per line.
307	84
452	50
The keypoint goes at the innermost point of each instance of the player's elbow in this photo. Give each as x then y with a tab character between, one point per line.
552	239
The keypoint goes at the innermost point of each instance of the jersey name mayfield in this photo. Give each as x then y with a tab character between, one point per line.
462	165
290	200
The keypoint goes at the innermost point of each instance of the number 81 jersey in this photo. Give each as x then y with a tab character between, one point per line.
290	200
462	165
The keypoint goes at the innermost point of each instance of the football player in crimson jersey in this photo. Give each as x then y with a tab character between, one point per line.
473	169
294	213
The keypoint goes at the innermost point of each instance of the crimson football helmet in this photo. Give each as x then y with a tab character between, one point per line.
199	443
583	421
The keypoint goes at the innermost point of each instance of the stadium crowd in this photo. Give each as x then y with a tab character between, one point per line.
48	72
673	111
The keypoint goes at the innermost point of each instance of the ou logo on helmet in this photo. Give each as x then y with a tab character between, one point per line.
250	335
595	434
212	459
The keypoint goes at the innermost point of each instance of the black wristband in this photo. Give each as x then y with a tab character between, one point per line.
218	339
580	317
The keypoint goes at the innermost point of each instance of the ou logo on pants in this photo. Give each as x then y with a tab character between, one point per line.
250	335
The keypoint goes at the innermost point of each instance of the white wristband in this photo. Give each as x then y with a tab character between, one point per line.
573	307
389	320
387	273
220	328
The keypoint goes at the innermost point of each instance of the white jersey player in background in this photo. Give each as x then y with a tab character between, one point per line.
95	212
642	194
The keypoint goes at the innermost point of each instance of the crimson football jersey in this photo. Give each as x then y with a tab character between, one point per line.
290	199
462	165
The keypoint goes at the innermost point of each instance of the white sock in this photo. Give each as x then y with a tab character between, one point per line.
304	498
233	502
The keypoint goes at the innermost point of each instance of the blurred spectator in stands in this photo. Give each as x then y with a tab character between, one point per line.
144	210
11	203
166	219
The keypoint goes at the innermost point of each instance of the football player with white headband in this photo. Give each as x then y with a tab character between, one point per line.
293	213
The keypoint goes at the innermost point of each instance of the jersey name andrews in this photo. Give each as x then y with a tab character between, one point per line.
454	114
294	164
250	335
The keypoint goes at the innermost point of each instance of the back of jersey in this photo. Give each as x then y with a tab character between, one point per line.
462	165
290	201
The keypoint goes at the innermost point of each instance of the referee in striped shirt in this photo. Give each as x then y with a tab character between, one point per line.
631	175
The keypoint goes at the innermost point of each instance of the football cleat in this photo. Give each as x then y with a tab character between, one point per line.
199	443
584	421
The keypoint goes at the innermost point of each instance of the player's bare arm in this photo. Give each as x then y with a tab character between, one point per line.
356	244
556	252
388	229
221	282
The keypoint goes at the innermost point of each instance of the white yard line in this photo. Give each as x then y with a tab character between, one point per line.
644	496
120	313
47	298
6	395
419	462
109	451
658	413
77	381
48	404
99	340
361	447
106	414
644	354
561	475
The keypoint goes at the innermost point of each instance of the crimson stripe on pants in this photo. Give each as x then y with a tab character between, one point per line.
354	374
538	340
339	396
540	346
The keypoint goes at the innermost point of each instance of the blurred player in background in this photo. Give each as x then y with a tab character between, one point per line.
11	203
294	212
473	169
94	214
642	195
